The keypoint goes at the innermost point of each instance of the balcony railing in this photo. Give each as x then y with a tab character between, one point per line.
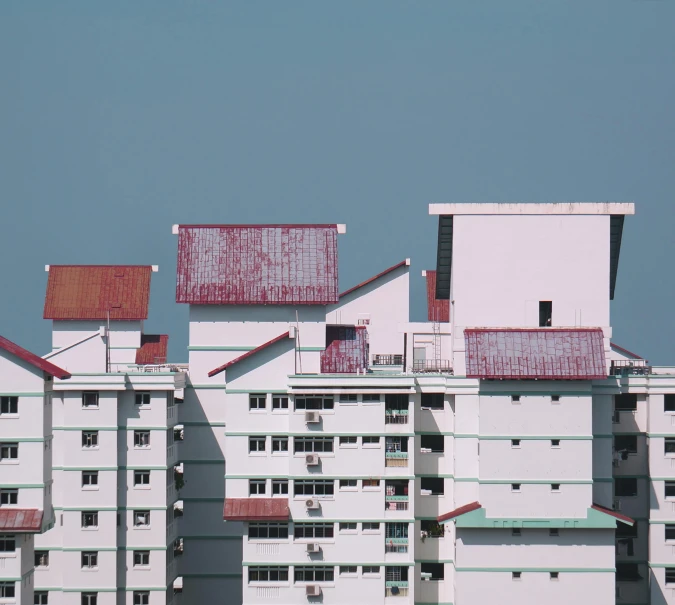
396	545
432	365
628	367
396	459
396	502
396	416
388	360
396	589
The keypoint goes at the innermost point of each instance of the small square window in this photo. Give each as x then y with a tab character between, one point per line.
9	404
555	398
280	445
89	439
257	402
515	575
89	478
256	444
515	487
279	487
554	575
41	597
347	528
143	398
9	496
7	544
141	558
41	558
370	484
516	531
90	399
555	442
515	443
555	487
515	398
370	441
371	527
347	398
669	403
348	441
370	570
279	403
554	533
256	487
348	484
89	559
670	575
89	519
348	570
669	489
141	439
141	478
371	397
141	597
141	518
89	598
669	445
9	451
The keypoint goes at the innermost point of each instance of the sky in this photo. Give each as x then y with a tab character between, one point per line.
119	119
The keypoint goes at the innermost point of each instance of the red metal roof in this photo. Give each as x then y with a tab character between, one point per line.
374	278
257	264
20	520
625	351
153	349
90	291
437	310
256	509
544	353
613	513
467	508
346	350
224	367
33	359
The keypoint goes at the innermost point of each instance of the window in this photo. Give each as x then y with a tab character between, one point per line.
626	487
625	443
256	444
314	574
89	478
373	528
437	571
90	399
434	444
89	519
625	401
348	484
264	531
89	438
312	531
515	575
7	544
370	484
670	575
279	403
257	402
669	489
555	398
555	442
515	487
432	401
516	531
141	478
627	572
141	518
41	598
347	528
141	597
313	488
141	438
370	441
9	451
554	575
348	570
279	487
669	403
515	398
143	398
371	397
545	313
7	590
348	441
669	445
256	487
629	531
515	443
347	398
41	558
268	574
141	558
314	402
89	559
89	598
9	405
9	497
280	445
554	533
312	444
432	486
555	487
371	570
670	531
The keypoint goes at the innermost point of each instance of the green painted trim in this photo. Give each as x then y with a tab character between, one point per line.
211	537
321	477
206	386
433	561
202	423
537	437
539	569
214	575
221	348
23	394
658	521
220	500
656	565
107	508
535	481
326	563
319	349
466	436
477	519
203	461
603	479
23	439
85	428
26	485
110	468
280	434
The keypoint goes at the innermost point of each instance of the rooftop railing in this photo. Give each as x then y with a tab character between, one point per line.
630	367
432	366
388	360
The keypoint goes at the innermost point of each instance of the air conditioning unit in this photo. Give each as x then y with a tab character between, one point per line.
312	504
313	548
617	504
312	417
313	590
312	459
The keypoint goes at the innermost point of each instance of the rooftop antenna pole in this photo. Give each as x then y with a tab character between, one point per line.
297	338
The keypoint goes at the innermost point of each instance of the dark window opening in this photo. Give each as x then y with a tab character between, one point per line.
432	443
433	571
669	403
432	486
670	489
432	401
625	443
625	487
629	531
670	575
627	572
625	401
545	313
432	528
669	445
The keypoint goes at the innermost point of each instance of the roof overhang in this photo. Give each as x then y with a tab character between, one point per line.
31	358
256	509
20	520
248	354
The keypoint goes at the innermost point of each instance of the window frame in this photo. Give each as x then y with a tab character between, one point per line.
39	556
11	494
258	484
89	440
327	403
90	479
313	531
140	396
257	440
264	574
139	478
141	597
280	484
9	450
7	543
328	486
9	402
139	437
254	402
136	514
143	558
94	519
87	396
279	402
313	574
268	528
86	558
313	443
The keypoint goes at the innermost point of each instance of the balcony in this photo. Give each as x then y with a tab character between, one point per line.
629	367
398	459
396	545
396	416
396	588
432	366
396	502
387	360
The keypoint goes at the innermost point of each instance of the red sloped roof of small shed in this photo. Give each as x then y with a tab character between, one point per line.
437	310
542	353
462	510
256	509
346	350
257	264
90	291
248	354
33	359
20	520
153	349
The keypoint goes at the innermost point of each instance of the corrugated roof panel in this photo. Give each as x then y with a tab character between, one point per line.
437	310
153	349
546	353
33	359
20	520
256	509
90	291
346	350
257	264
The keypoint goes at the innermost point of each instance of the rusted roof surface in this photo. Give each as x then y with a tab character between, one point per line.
224	367
375	277
256	509
613	513
20	520
90	291
467	508
33	359
153	349
543	353
437	310
346	350
257	264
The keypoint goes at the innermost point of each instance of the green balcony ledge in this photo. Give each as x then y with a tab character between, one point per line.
399	455
396	498
477	519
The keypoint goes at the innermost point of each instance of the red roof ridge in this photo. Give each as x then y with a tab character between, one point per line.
613	513
33	359
224	367
462	510
375	277
91	265
267	225
626	351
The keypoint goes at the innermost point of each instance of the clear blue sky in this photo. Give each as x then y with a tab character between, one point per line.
118	119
